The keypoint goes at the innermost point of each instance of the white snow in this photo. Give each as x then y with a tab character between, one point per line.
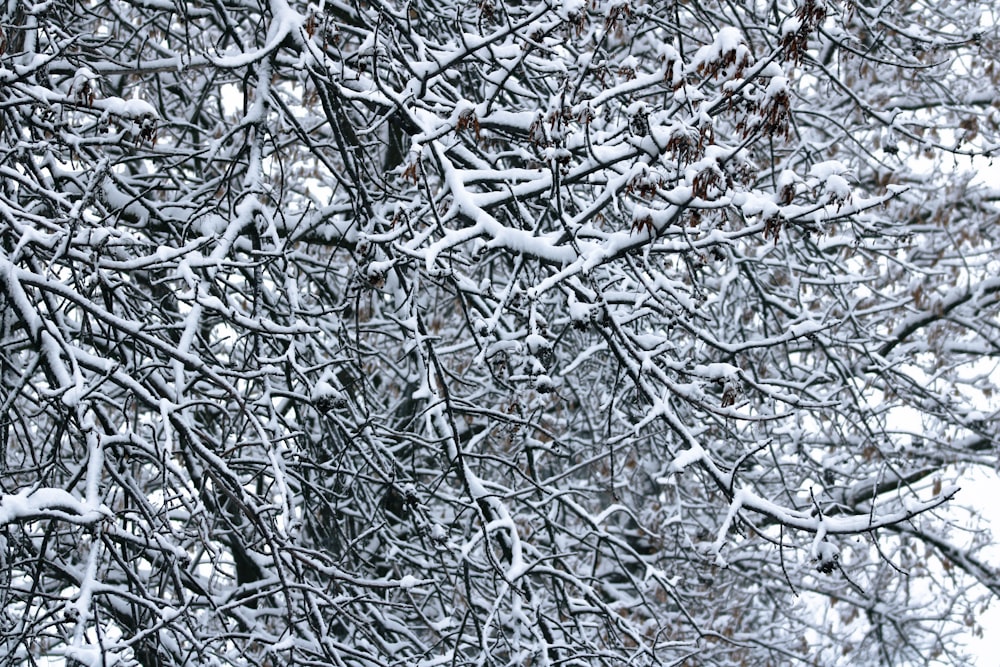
837	187
686	458
38	503
824	170
409	581
134	108
728	40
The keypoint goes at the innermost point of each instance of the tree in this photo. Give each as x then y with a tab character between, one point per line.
581	333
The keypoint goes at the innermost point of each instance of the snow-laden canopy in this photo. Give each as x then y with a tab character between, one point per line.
502	333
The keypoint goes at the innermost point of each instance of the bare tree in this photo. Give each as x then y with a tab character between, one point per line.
502	333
